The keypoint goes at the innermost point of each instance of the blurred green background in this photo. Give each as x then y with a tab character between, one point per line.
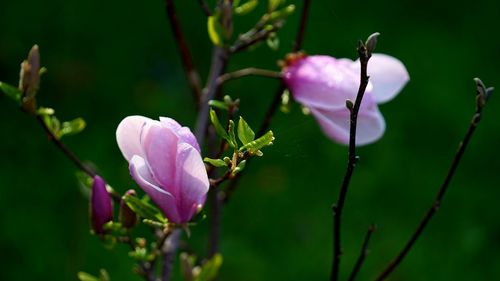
110	59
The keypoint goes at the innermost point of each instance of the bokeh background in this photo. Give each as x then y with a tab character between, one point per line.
110	59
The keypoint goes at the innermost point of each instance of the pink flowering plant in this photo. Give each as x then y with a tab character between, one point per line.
178	170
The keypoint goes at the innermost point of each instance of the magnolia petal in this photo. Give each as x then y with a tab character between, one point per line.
160	148
322	82
184	133
192	176
128	135
336	125
163	199
387	74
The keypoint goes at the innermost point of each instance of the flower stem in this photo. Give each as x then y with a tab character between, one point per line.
363	253
338	207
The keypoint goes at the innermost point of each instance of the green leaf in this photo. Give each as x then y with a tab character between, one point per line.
240	167
103	275
218	127
218	104
45	111
256	145
215	30
71	127
232	136
11	91
273	42
215	162
273	5
246	8
210	269
245	133
144	209
283	13
84	276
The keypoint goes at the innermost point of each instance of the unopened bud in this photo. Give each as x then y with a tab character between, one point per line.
29	79
126	216
101	206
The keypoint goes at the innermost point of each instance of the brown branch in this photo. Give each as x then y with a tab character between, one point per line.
260	35
338	207
191	73
204	7
481	98
251	71
363	253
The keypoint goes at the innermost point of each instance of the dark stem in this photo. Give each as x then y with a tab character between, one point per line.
187	61
438	200
69	154
338	207
205	8
215	222
171	244
260	35
363	253
275	103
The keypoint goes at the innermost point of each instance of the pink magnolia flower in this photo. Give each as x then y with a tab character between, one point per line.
101	206
164	160
323	84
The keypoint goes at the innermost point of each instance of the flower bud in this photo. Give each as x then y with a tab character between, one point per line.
101	206
126	216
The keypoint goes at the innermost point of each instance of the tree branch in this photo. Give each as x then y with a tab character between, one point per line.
187	61
363	253
204	7
481	99
248	72
337	208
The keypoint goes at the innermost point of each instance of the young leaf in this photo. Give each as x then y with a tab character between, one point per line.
232	136
256	145
45	111
215	30
273	42
240	167
72	127
218	127
210	269
245	133
144	209
215	162
84	276
283	13
11	91
273	5
246	8
218	104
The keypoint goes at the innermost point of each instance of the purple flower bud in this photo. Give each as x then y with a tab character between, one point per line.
101	206
323	84
164	160
127	217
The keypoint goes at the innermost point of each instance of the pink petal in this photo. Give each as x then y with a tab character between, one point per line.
160	148
322	82
184	133
128	135
163	199
336	124
387	74
192	177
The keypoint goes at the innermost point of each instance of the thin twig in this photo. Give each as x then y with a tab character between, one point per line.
204	7
260	35
67	152
251	71
337	208
441	192
147	269
363	253
187	61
